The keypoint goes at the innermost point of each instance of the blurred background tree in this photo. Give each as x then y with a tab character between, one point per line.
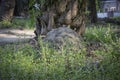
6	9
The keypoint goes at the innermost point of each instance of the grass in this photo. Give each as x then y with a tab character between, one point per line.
22	23
116	18
28	63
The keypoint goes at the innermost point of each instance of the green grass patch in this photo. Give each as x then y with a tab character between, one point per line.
116	18
28	63
23	23
101	34
5	24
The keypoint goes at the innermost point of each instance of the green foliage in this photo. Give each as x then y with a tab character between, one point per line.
23	23
101	34
105	35
18	23
43	63
5	24
116	18
30	64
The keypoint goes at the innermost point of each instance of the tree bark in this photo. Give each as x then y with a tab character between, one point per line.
93	11
21	8
65	12
6	9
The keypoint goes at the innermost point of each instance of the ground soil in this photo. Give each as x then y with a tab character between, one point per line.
15	35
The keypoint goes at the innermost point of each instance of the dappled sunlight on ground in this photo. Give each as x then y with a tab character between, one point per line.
15	35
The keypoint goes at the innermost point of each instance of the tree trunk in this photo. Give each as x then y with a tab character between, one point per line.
21	8
93	12
6	9
59	13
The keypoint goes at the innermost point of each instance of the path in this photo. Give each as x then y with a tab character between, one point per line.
15	35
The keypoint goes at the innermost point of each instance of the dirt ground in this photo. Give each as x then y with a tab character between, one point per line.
15	35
